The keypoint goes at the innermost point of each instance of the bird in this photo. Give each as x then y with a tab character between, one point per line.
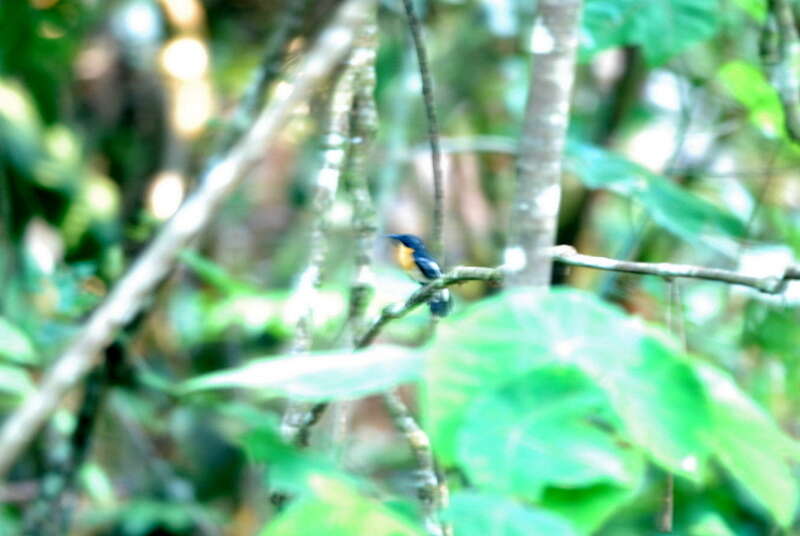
412	255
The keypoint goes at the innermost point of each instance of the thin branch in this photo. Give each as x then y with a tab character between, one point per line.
428	487
431	489
433	131
674	322
768	285
363	129
666	516
337	144
567	255
136	286
424	293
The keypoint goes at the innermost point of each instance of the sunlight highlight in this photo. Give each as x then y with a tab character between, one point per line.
185	58
166	194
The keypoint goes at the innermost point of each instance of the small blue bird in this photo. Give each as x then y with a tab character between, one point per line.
413	257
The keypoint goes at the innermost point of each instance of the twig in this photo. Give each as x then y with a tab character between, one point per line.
135	287
433	131
425	293
428	488
568	255
666	517
675	324
768	285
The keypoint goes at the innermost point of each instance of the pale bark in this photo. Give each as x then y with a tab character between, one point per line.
298	415
534	212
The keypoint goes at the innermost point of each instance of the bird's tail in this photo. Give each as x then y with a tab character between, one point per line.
441	303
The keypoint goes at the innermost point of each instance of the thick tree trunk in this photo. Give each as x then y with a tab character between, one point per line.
534	212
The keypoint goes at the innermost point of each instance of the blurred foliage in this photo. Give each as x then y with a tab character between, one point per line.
663	28
551	413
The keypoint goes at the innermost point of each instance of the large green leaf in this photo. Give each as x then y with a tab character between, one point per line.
751	447
482	514
679	211
15	344
320	375
336	509
538	431
651	387
663	28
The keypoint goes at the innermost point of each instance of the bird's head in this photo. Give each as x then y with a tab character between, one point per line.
409	241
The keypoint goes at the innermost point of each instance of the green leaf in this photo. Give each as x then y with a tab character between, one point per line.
214	274
752	447
663	28
15	383
319	375
336	509
20	126
15	344
677	210
289	469
773	328
587	508
650	386
755	8
664	407
98	486
538	431
748	85
710	524
482	514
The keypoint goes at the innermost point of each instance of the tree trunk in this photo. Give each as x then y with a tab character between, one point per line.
534	213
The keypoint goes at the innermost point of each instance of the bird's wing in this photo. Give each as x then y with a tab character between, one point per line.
428	267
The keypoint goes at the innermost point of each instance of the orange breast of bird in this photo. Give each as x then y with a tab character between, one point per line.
405	258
